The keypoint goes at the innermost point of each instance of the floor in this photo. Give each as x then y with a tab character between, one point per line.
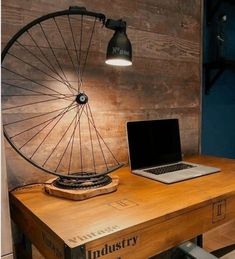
220	237
213	240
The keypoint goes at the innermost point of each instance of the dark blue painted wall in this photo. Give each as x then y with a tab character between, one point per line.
218	107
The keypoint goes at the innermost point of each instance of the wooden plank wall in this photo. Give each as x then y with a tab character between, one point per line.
164	81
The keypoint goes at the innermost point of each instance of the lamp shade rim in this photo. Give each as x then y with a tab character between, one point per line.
118	62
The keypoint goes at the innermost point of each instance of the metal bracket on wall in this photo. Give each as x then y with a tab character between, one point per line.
212	7
211	78
213	70
218	64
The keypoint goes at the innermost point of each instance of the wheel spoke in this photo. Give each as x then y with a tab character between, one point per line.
39	59
36	68
88	48
20	95
52	68
33	117
35	126
80	145
71	138
57	61
62	115
98	138
80	50
62	136
71	151
75	47
91	140
28	104
93	124
66	47
34	91
31	80
39	131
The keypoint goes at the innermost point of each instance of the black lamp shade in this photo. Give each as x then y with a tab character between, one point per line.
119	51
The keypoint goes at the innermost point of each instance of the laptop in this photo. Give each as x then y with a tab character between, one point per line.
155	152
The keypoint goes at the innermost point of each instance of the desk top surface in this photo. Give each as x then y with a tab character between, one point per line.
138	200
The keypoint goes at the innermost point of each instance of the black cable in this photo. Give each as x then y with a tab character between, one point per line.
21	187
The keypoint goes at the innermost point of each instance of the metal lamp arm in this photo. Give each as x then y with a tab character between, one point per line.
116	25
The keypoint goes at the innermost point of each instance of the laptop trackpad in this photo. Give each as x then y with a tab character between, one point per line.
190	173
179	176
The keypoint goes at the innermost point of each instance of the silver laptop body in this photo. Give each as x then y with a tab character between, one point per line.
155	152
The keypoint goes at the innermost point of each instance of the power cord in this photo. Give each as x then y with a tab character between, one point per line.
27	186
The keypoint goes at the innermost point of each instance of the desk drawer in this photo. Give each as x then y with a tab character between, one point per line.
144	241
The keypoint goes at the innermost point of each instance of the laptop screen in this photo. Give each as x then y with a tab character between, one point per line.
153	143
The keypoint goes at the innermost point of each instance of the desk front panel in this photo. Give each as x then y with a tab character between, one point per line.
148	239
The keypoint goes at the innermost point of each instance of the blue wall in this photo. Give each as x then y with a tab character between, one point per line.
218	107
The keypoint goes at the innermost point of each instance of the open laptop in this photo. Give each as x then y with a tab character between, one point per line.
155	152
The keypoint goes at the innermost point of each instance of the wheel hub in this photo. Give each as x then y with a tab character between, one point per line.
81	98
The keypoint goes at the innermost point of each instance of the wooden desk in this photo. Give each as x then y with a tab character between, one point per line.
142	218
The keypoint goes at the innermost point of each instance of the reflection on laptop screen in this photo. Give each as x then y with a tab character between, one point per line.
153	143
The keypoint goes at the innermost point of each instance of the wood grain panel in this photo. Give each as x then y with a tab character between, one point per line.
171	17
149	44
164	81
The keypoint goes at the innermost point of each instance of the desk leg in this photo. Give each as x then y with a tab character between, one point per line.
75	253
28	247
24	249
199	240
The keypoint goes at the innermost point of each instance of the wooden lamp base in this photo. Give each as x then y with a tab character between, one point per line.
79	195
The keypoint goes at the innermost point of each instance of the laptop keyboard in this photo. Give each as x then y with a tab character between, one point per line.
168	168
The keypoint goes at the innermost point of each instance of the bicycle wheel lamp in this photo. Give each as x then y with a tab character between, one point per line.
47	117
